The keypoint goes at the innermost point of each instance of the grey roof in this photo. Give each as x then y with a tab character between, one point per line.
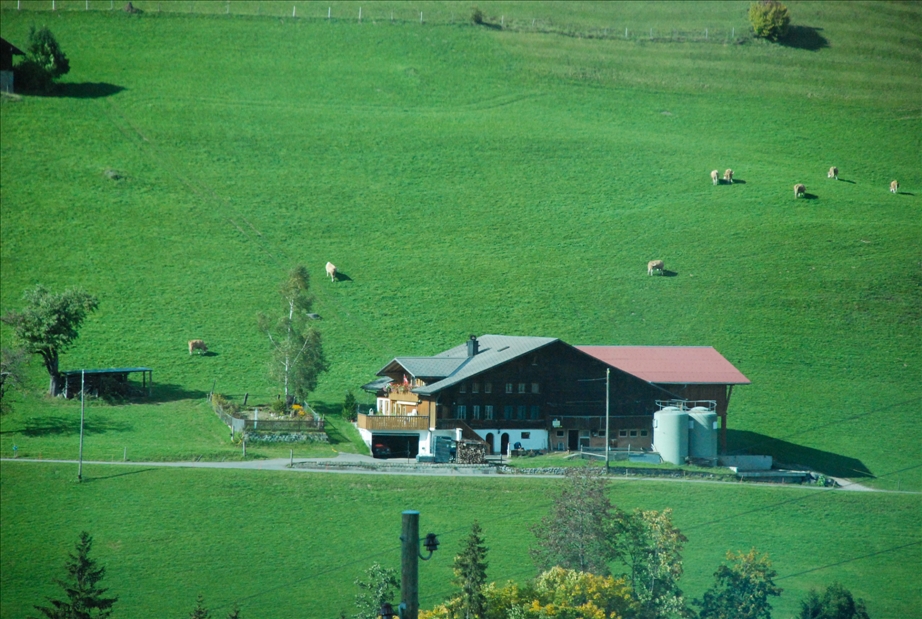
456	366
425	367
377	385
106	371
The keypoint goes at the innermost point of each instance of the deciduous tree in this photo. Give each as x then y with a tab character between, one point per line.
379	586
770	19
580	531
45	61
741	589
835	603
297	350
85	599
49	324
651	547
12	372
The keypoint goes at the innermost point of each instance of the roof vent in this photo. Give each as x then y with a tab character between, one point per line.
472	346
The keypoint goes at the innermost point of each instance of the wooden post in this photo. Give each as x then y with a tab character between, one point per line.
360	15
409	565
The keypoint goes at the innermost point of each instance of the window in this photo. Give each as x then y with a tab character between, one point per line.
521	387
643	433
476	411
601	432
488	387
475	388
622	433
521	411
534	387
560	432
535	412
526	435
633	433
462	388
488	410
508	387
507	411
462	412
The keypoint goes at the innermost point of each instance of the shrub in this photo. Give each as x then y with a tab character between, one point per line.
349	407
278	406
476	16
221	403
769	19
44	63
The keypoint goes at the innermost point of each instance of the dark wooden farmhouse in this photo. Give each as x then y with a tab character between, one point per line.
510	391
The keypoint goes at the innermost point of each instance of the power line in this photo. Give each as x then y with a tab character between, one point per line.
858	558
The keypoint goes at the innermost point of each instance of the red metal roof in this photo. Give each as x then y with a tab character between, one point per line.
674	365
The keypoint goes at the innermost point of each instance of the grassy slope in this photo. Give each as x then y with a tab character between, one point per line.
474	181
285	545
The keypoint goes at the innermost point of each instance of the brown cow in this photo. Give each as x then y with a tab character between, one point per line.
799	190
655	265
331	271
728	176
715	176
833	173
894	187
197	345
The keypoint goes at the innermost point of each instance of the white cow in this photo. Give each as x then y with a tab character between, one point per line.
894	187
655	265
799	190
331	271
728	176
833	173
715	176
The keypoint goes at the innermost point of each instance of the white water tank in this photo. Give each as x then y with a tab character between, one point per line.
702	435
670	434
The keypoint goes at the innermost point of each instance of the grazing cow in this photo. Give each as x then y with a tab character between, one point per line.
197	345
894	187
331	271
715	176
833	173
655	265
728	176
799	190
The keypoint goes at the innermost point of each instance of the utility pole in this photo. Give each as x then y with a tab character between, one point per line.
607	416
409	565
82	406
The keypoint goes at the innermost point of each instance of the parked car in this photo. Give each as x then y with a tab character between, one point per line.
380	450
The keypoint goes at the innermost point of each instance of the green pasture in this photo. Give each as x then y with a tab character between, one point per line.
465	180
290	544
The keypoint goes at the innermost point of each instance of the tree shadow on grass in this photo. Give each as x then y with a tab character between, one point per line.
87	90
743	442
67	426
805	37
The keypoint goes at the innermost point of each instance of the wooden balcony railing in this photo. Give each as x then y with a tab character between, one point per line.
393	422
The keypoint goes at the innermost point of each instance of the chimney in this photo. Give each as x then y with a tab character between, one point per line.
472	346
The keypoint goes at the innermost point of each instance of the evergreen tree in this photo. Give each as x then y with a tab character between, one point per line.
349	406
200	612
471	575
85	598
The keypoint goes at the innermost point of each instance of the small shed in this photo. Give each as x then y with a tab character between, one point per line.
7	51
105	381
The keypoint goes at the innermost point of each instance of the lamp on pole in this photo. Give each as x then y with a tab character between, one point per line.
409	567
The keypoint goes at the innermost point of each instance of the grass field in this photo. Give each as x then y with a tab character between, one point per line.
472	180
286	544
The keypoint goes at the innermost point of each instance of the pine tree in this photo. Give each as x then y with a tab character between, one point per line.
85	598
471	575
200	612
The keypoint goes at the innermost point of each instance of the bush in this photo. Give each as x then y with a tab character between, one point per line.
349	407
278	406
45	62
476	16
769	19
221	403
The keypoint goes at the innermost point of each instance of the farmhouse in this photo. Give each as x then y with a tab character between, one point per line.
536	393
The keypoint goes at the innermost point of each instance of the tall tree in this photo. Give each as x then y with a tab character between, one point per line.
200	611
45	61
49	324
651	547
835	603
85	598
379	586
742	589
580	531
297	350
471	575
12	372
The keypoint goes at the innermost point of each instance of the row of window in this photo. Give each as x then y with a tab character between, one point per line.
489	411
510	388
621	433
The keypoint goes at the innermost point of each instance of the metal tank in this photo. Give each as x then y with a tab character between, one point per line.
702	433
670	434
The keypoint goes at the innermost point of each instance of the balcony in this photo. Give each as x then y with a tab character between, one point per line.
393	422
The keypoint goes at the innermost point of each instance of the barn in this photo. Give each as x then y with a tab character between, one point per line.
7	51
